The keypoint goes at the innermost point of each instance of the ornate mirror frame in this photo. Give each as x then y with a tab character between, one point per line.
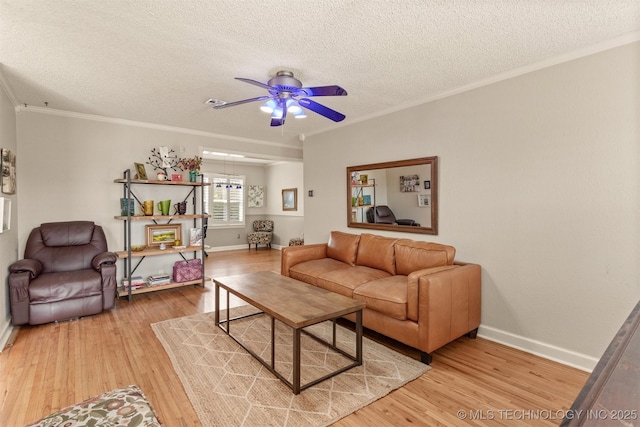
424	190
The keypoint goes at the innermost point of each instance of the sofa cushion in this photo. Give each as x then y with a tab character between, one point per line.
343	247
413	255
377	252
387	296
72	233
309	271
51	287
344	281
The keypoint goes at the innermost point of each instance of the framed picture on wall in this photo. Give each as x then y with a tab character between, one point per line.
409	183
427	185
8	171
424	200
5	214
290	199
256	196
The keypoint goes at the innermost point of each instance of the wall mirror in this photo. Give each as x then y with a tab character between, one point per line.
396	196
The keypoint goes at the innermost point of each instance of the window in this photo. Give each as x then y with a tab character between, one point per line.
224	200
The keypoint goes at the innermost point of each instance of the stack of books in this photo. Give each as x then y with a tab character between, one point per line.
158	279
137	282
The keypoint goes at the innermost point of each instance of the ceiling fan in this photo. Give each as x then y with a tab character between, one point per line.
286	95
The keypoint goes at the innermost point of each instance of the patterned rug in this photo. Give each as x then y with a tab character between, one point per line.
122	407
228	387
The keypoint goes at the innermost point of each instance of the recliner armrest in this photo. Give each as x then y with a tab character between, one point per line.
104	258
31	266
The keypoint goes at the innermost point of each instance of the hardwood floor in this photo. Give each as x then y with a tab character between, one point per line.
472	382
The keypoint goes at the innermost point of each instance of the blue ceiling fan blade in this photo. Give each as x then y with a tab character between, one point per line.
279	113
321	109
244	101
323	91
255	83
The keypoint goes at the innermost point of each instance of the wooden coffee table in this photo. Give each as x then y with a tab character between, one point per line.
297	305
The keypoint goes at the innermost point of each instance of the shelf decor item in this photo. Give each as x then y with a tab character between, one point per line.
163	159
185	271
142	172
127	208
163	233
195	237
192	165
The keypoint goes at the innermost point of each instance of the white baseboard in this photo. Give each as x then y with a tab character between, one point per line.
6	336
236	247
547	351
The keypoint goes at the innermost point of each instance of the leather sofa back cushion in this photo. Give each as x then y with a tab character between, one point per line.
413	255
377	252
72	233
343	247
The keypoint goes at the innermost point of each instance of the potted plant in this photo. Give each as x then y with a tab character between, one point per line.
192	165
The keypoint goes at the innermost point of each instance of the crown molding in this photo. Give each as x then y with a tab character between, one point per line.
546	63
7	89
126	122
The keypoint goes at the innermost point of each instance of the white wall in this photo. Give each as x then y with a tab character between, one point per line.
8	239
539	183
287	224
68	164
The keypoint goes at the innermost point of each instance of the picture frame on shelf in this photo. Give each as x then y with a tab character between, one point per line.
195	237
290	199
167	234
142	172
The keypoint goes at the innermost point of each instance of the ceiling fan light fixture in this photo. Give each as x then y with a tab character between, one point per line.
268	106
300	114
292	106
277	113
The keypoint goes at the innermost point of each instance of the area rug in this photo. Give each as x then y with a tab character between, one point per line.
117	408
228	387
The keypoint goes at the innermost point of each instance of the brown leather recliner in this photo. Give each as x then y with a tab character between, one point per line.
66	272
384	215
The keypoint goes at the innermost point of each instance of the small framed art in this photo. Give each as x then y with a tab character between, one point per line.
424	200
195	237
142	172
290	199
163	233
5	214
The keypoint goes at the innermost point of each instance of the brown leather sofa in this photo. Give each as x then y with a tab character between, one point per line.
414	291
66	272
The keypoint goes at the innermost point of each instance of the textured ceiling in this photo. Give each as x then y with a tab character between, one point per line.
158	61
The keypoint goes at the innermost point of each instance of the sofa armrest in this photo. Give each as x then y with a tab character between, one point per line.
19	295
104	258
109	285
449	305
413	294
292	255
31	266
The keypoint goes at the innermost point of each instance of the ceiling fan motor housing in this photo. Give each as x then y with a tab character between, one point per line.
285	81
